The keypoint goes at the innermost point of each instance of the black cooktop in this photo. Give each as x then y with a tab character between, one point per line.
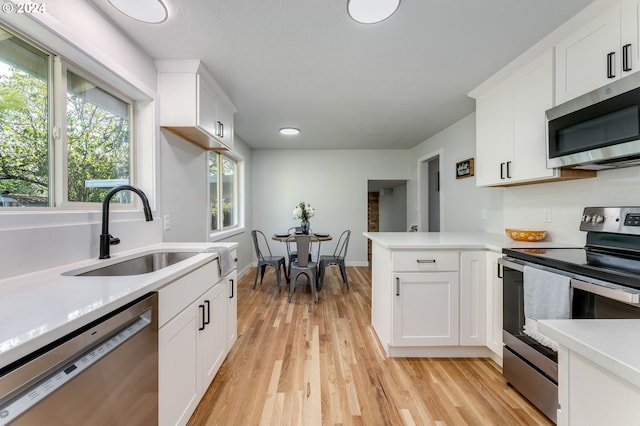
618	268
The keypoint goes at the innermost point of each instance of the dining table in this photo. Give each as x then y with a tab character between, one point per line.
314	237
291	237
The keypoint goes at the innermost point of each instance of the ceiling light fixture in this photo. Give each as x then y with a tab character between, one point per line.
371	11
148	11
289	131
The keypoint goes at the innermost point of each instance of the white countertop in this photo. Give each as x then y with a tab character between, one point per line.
451	240
40	307
612	344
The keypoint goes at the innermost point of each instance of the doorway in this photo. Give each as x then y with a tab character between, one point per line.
429	193
386	207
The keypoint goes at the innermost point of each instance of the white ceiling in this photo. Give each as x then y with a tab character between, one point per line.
346	85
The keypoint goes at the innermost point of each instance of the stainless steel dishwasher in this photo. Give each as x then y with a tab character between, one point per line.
106	373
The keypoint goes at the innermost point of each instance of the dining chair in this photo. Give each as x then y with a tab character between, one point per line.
303	266
292	254
337	259
266	258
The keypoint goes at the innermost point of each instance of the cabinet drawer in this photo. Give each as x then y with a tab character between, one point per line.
424	261
175	296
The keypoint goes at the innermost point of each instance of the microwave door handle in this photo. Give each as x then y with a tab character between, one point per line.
610	293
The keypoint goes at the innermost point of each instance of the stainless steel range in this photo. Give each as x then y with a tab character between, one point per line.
602	281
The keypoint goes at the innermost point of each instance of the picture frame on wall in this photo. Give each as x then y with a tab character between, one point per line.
464	169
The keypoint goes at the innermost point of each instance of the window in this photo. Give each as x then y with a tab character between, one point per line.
76	159
24	117
223	192
98	141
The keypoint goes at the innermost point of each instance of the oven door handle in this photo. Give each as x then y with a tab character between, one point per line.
509	264
621	294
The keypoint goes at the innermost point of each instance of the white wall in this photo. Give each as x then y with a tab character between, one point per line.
184	187
392	208
461	201
523	205
183	183
334	182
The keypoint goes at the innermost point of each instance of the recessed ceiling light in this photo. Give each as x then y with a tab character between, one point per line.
371	11
289	131
148	11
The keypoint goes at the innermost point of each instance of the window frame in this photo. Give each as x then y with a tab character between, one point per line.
238	192
64	143
57	142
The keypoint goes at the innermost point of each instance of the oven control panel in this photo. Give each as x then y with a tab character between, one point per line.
618	220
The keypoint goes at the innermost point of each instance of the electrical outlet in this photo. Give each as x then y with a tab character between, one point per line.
546	215
166	220
483	214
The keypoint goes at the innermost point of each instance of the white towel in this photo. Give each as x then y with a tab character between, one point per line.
226	262
546	296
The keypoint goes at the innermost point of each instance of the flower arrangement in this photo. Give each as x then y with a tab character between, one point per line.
303	211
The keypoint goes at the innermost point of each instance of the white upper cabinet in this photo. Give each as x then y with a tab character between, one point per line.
494	135
193	106
511	127
602	51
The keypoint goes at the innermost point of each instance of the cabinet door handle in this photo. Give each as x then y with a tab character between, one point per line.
501	170
626	57
397	286
499	271
232	285
509	169
219	129
426	260
201	307
208	320
611	67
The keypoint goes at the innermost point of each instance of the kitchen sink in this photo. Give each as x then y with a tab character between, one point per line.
142	264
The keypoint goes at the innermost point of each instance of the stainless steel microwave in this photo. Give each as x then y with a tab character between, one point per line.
598	130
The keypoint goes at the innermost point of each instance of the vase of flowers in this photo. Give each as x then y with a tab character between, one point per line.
304	211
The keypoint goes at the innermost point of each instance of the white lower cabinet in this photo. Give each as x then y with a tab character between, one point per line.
425	309
494	304
197	320
590	395
212	336
232	308
473	298
179	373
429	302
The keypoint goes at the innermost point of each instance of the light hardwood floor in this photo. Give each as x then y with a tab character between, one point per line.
302	363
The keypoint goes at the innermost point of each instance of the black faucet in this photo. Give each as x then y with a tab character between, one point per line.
106	239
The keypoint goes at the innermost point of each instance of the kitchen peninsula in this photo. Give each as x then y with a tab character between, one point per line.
438	293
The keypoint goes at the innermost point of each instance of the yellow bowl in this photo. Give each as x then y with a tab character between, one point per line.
525	234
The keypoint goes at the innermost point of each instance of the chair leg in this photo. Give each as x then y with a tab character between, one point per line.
262	271
277	268
343	272
312	281
320	274
255	280
292	284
